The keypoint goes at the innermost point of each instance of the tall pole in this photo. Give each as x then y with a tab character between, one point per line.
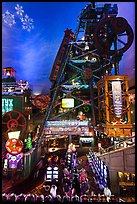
93	4
92	103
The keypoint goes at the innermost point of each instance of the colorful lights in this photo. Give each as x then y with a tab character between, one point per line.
132	98
117	98
67	103
7	105
81	115
14	146
13	160
14	134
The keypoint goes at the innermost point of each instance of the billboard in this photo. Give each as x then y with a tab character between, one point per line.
66	130
11	103
65	123
117	98
68	103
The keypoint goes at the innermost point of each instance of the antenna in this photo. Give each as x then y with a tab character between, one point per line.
93	4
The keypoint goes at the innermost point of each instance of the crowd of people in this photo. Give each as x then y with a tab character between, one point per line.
49	198
75	185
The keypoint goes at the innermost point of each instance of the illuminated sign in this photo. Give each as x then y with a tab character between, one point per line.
86	139
14	134
117	98
67	102
68	127
61	55
67	130
11	103
7	105
14	146
65	123
85	86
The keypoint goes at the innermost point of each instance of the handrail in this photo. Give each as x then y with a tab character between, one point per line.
118	145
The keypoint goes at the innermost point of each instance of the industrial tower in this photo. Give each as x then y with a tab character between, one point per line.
84	58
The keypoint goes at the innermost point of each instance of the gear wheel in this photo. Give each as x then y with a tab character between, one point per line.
108	35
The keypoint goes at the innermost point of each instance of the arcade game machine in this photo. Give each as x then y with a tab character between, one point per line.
49	175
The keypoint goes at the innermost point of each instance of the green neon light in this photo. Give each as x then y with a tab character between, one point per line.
7	105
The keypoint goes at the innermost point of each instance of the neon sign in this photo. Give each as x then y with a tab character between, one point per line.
13	160
83	86
65	123
14	146
67	103
67	130
7	105
11	103
117	98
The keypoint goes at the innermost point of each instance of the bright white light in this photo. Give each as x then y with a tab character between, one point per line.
37	93
86	47
14	134
5	164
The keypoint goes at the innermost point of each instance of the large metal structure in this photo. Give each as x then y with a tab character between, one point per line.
84	58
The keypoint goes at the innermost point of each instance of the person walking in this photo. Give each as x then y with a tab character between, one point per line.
53	192
107	193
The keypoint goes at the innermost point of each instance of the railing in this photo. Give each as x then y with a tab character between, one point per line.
31	158
120	145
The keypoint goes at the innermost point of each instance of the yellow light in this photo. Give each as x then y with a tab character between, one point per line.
120	174
28	117
86	57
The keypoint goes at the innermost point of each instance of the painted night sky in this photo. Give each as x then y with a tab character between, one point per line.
31	50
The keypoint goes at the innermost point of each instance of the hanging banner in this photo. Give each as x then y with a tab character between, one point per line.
65	123
67	130
117	98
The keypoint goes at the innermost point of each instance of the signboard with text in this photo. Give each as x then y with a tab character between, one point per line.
68	127
12	103
117	98
65	123
67	130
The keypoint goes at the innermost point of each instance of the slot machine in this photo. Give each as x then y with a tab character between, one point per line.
55	173
49	174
